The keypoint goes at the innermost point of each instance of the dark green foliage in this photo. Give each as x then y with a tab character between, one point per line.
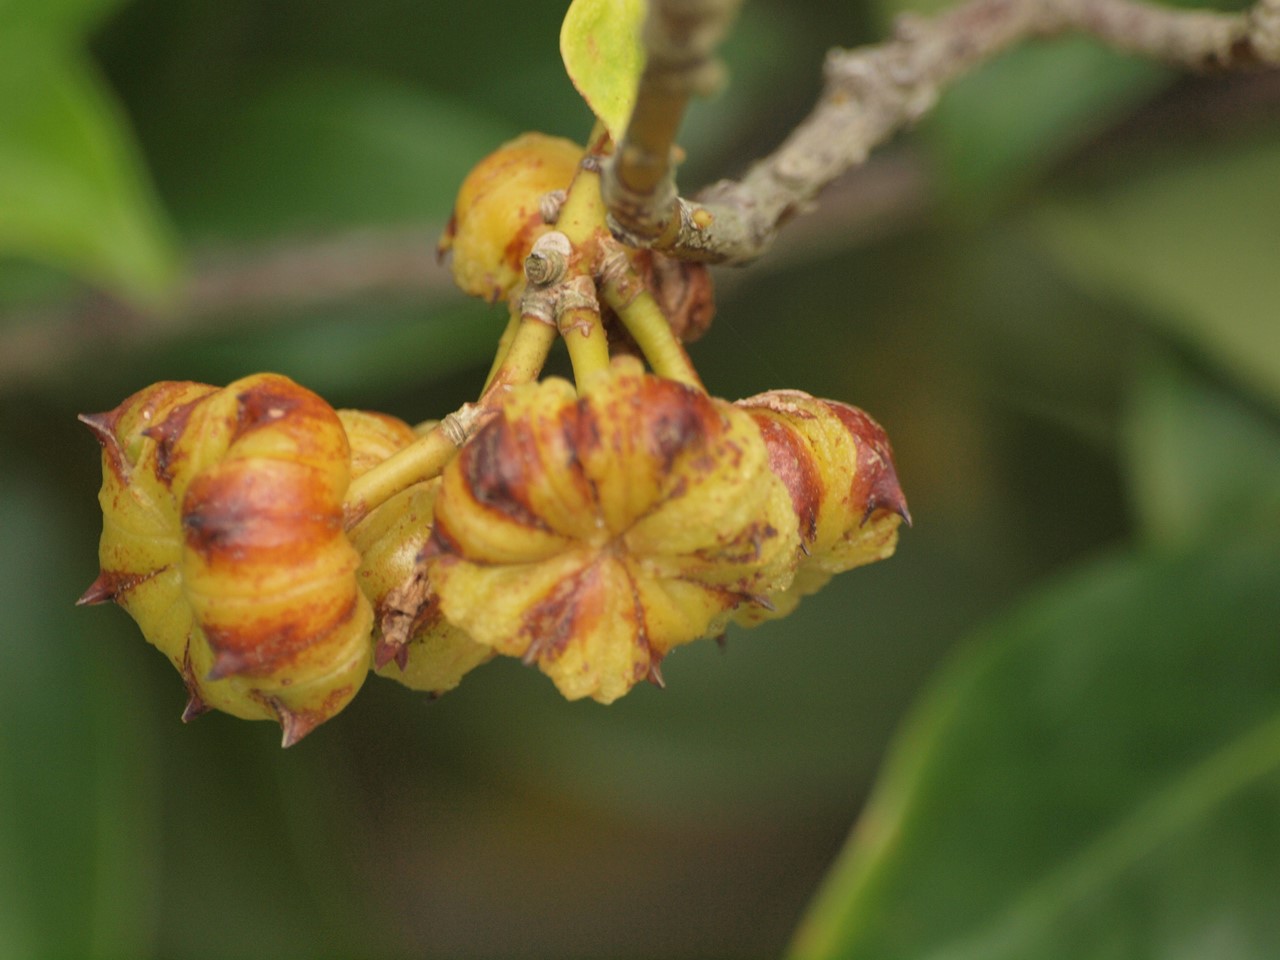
1076	354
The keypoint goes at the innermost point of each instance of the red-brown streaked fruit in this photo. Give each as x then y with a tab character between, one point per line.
415	644
222	537
592	533
838	467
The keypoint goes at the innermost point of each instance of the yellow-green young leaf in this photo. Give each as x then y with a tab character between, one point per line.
600	46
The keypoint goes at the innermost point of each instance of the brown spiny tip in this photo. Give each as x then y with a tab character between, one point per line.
386	651
294	725
655	675
110	584
102	590
887	495
721	641
876	476
195	708
530	655
760	600
103	426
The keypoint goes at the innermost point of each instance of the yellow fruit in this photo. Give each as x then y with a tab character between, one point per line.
498	216
416	645
593	534
838	467
222	537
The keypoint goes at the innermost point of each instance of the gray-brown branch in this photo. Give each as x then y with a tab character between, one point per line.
872	92
680	38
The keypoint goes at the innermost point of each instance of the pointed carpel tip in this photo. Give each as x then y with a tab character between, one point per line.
655	675
385	652
195	708
722	641
762	601
102	425
887	496
102	590
294	726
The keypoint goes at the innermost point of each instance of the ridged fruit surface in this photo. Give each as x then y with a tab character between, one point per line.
838	467
416	645
590	534
222	537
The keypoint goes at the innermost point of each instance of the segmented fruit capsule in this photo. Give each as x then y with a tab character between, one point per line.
838	467
497	215
222	537
416	645
592	534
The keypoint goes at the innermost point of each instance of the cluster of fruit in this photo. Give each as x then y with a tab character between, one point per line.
588	528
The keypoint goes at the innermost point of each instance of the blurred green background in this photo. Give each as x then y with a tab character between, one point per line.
1061	296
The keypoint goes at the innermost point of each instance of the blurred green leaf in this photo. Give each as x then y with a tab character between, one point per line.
997	130
1201	463
762	39
600	46
1193	243
316	151
78	819
1097	779
25	283
351	351
63	18
73	191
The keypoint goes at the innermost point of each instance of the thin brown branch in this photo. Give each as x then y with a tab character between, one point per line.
255	283
680	38
277	282
872	92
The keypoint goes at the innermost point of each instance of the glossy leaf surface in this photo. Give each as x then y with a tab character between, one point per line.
1193	244
74	191
1095	779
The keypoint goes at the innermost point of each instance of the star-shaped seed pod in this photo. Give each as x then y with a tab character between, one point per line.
838	467
222	537
416	645
590	534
